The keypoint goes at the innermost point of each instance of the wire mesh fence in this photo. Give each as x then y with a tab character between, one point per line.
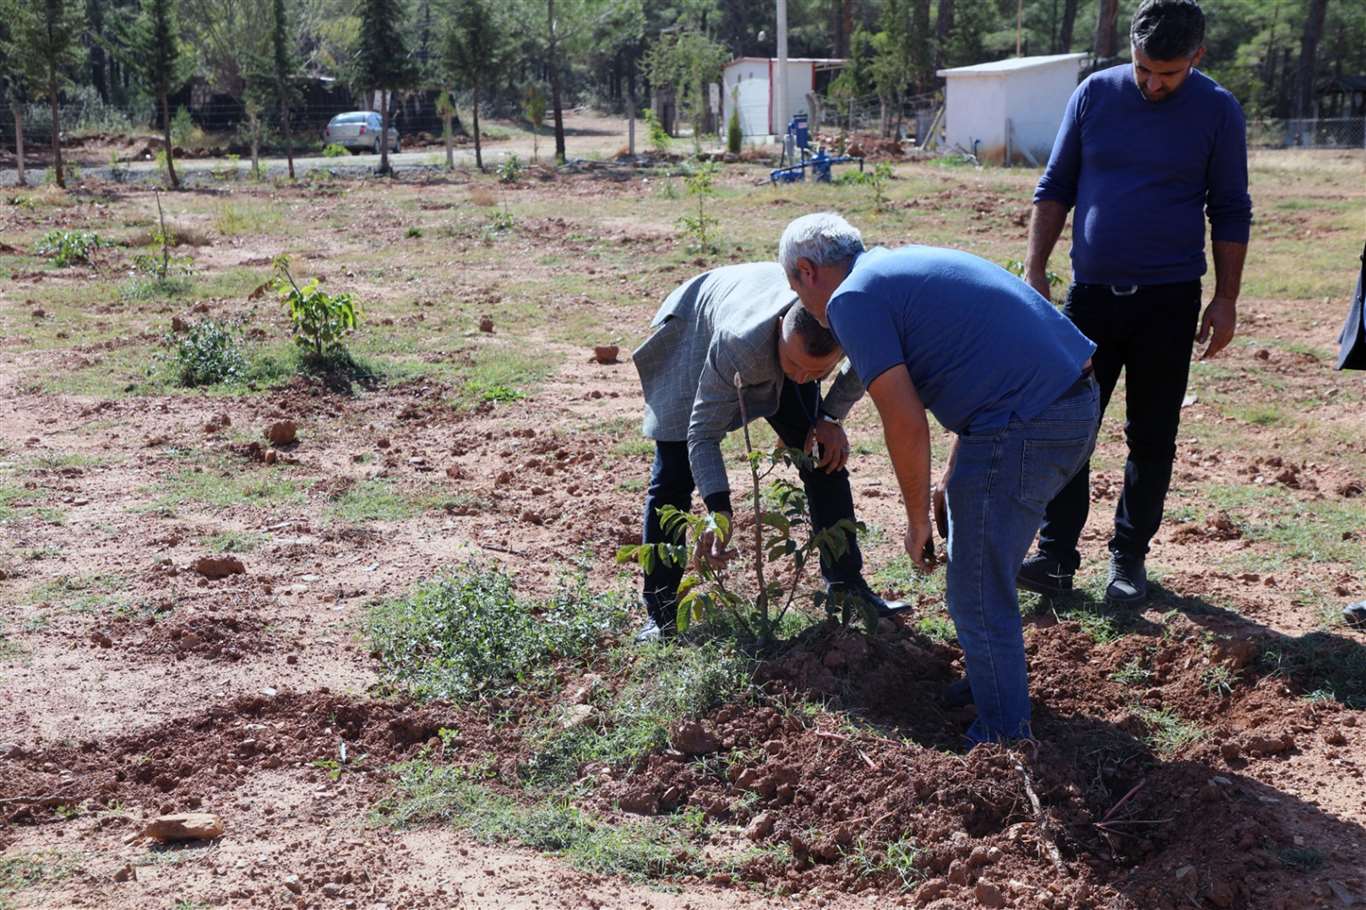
1316	132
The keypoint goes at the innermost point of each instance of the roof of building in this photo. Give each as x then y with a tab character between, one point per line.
1011	65
820	61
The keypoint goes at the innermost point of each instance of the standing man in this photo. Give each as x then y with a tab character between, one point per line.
944	331
1143	154
742	320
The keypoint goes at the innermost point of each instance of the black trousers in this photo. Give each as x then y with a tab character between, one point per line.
828	496
1148	335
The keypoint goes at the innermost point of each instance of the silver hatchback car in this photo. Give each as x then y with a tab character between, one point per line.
358	131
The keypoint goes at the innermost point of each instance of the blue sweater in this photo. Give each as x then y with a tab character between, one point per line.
1143	175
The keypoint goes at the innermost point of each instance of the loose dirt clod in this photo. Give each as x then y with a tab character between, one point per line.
606	353
184	826
219	566
486	324
282	433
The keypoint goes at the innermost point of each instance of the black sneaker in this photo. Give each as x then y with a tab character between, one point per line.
1355	614
1128	584
837	593
1044	575
957	694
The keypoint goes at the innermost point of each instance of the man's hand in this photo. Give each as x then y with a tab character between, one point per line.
920	546
834	445
1218	325
711	546
1038	280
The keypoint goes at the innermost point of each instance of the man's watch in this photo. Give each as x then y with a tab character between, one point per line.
834	420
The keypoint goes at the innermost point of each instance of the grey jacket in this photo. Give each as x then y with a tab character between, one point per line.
721	323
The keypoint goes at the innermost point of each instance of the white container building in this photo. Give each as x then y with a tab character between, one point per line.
1009	111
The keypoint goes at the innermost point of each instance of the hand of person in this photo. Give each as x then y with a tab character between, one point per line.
1038	280
834	445
1218	325
939	504
712	549
920	546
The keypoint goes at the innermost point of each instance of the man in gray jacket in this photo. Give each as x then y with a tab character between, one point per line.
741	320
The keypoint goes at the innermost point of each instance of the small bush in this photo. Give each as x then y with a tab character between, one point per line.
659	136
333	150
183	130
320	320
208	354
67	248
733	136
470	635
510	169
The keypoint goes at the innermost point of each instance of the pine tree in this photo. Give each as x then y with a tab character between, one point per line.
13	79
153	54
473	54
382	61
283	70
45	34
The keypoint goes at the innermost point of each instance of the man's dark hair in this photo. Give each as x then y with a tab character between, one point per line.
817	340
1168	29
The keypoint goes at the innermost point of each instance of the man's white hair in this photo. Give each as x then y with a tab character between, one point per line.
825	238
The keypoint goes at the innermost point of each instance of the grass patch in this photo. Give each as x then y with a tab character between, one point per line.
223	490
900	860
24	870
500	375
1325	666
665	684
469	635
1167	732
235	219
236	541
375	500
937	626
637	849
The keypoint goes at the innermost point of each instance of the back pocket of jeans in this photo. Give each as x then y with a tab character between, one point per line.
1046	465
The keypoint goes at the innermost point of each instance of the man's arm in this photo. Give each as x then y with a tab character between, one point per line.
1044	229
715	408
1221	316
907	431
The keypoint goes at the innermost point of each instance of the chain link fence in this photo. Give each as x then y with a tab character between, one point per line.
1316	132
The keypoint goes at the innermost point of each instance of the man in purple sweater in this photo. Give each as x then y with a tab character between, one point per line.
1144	154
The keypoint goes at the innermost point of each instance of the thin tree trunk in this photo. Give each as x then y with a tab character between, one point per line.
943	28
255	123
170	151
289	137
19	141
1106	43
554	65
1069	21
56	127
478	152
450	142
384	168
1309	46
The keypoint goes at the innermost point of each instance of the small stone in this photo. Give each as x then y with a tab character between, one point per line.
1333	737
691	738
606	353
184	826
219	566
282	433
293	885
486	324
988	895
126	874
761	826
101	639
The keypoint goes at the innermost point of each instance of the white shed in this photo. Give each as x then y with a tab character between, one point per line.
749	81
1009	111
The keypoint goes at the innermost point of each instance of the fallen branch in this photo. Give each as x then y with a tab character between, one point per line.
872	766
1124	799
1050	846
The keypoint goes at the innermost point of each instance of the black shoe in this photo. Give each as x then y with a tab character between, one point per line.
1128	584
1044	575
837	593
1355	614
957	694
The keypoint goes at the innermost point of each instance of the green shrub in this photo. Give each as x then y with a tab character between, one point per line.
183	130
333	150
510	169
320	320
469	634
659	137
733	137
68	247
208	354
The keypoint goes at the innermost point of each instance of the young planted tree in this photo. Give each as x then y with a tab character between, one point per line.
382	61
533	109
45	35
152	52
13	80
687	61
445	109
473	54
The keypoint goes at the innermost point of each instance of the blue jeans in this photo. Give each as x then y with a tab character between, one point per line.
828	496
1001	482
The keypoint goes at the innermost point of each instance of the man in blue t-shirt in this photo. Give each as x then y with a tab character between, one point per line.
938	330
1144	154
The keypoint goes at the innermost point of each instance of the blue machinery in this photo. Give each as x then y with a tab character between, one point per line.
797	149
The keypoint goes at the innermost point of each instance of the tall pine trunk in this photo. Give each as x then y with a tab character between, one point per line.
56	126
1106	44
1069	21
450	144
554	66
170	150
289	138
1309	46
19	141
478	150
943	28
384	135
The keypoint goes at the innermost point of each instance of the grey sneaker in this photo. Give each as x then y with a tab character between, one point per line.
1044	575
1355	614
1128	584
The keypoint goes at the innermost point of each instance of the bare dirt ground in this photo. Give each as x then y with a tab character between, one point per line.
1203	751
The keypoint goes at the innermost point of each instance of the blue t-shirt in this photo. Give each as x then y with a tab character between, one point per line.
1144	175
981	345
